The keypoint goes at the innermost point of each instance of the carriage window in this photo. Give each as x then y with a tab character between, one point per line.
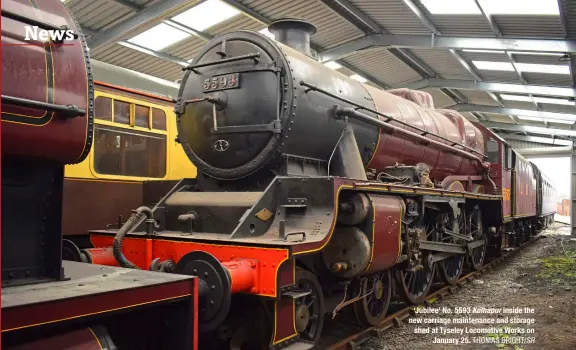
121	112
492	150
129	153
158	119
103	108
141	116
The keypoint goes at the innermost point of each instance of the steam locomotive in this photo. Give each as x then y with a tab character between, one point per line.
47	122
318	195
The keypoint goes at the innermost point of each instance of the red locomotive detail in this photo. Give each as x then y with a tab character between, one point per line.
316	193
43	99
47	114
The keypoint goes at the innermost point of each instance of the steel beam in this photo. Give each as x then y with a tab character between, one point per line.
500	87
88	31
563	151
414	62
247	11
202	35
535	130
422	16
513	111
573	69
489	20
448	42
353	15
365	75
366	24
573	188
563	17
157	54
536	139
148	14
130	5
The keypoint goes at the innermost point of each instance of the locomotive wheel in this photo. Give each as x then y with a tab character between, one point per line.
450	269
371	310
476	230
309	309
414	285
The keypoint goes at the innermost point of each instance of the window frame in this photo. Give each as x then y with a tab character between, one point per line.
128	128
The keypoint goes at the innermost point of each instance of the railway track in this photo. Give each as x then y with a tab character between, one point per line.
355	340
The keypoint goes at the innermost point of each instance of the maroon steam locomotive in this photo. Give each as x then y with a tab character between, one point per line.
47	119
319	195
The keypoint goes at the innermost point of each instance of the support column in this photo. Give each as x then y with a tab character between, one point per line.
573	188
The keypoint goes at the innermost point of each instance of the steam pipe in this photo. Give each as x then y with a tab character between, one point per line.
117	246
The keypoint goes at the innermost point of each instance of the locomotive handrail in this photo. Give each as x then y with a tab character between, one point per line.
350	112
250	56
69	111
34	22
389	118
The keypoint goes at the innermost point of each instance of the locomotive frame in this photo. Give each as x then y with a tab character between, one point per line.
297	227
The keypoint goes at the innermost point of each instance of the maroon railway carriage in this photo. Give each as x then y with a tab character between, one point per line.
47	116
318	195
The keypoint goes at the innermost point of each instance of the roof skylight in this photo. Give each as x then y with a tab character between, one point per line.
543	68
520	7
557	54
482	51
359	78
333	65
549	120
499	66
206	15
159	37
523	67
516	98
266	32
451	7
555	101
492	7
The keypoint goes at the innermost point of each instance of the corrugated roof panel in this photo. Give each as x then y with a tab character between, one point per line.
392	15
570	11
548	79
441	100
519	144
443	63
484	56
478	97
549	107
98	14
519	104
499	118
383	66
131	59
529	26
469	116
498	76
332	28
461	25
188	48
458	25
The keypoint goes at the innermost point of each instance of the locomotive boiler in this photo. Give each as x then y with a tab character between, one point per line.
315	194
47	120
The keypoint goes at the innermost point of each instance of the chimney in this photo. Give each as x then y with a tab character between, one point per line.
294	33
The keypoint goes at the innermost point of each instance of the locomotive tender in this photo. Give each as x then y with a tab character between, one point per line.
47	121
318	195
